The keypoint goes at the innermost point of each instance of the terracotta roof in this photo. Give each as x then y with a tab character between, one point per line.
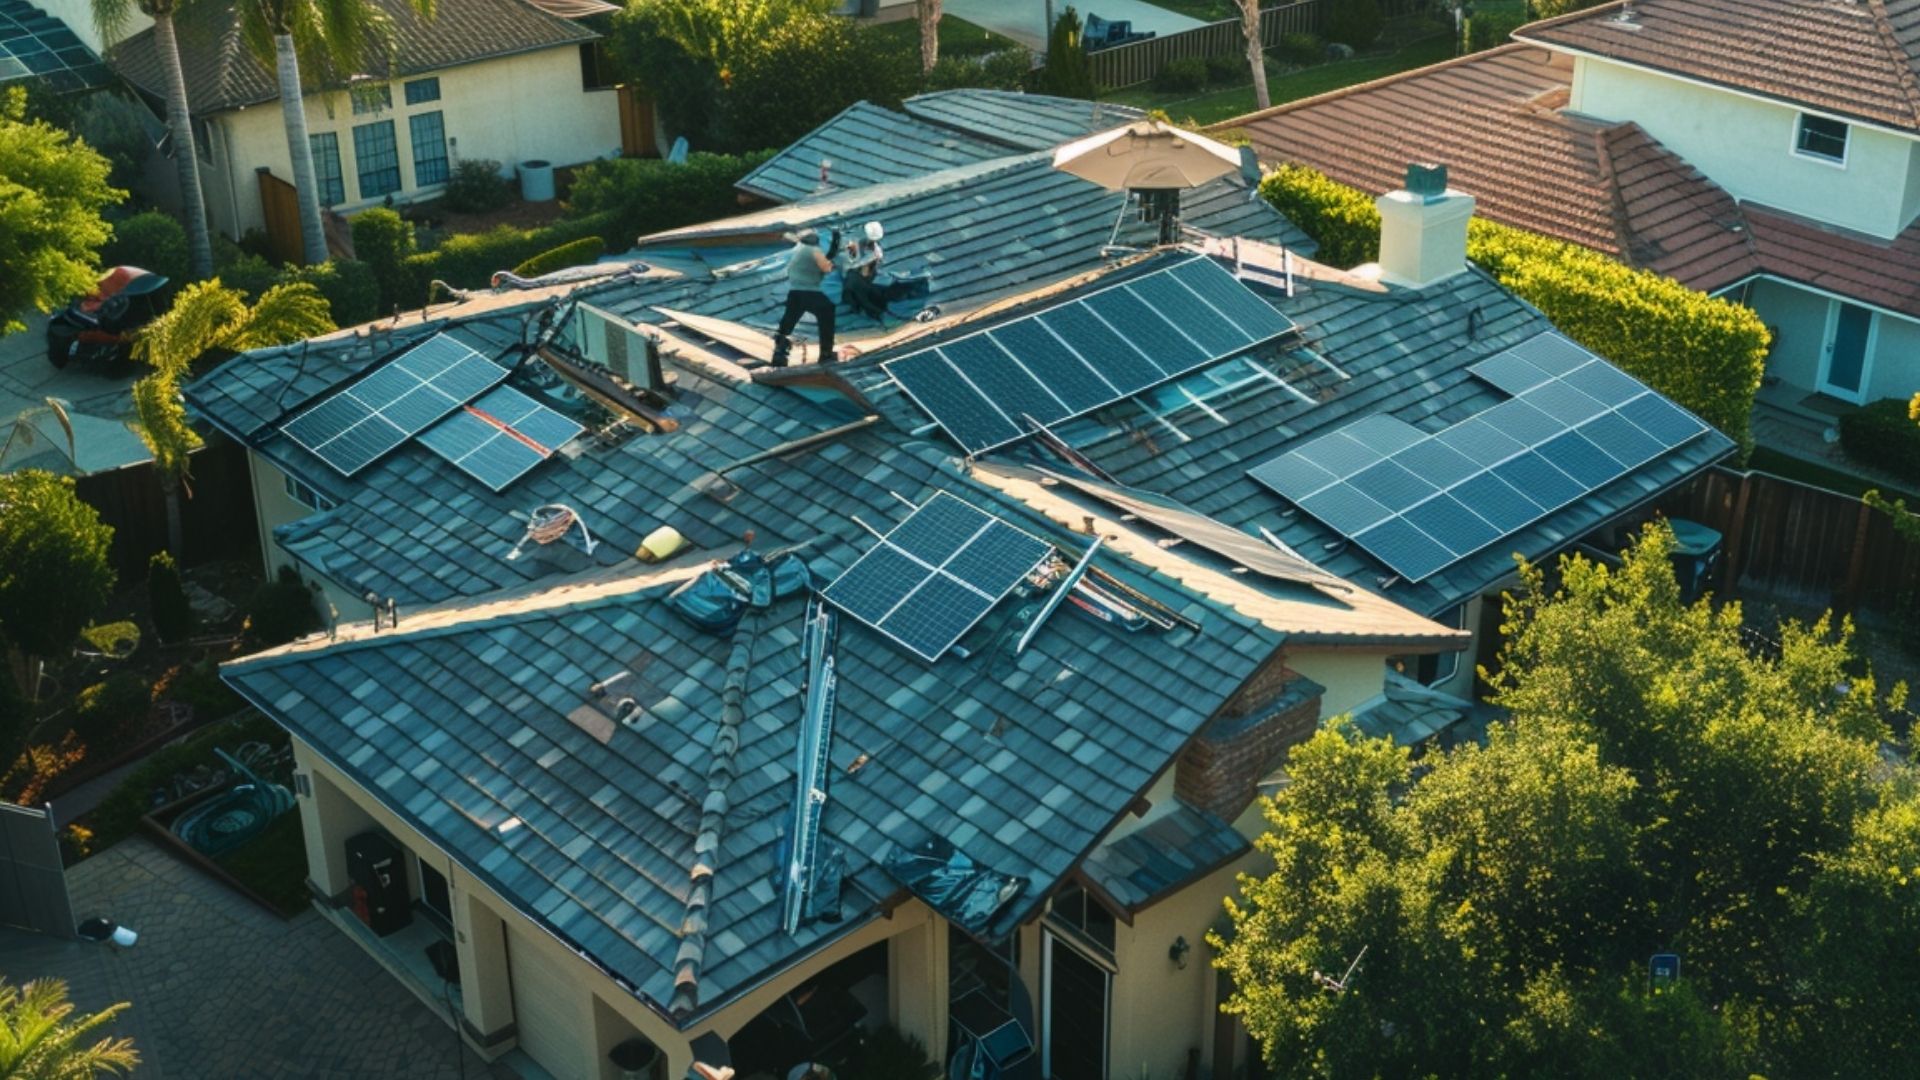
1857	59
1885	273
1493	119
222	73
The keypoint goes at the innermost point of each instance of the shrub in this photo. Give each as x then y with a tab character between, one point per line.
1302	49
280	610
383	239
249	274
1705	353
172	615
201	687
1355	22
475	187
101	709
1229	69
468	261
116	639
1489	29
574	253
646	196
1883	436
1183	76
152	241
806	70
351	289
1007	69
1067	73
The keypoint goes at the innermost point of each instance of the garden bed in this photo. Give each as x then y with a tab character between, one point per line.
270	869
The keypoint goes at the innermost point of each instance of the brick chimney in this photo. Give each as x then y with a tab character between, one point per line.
1423	229
1221	770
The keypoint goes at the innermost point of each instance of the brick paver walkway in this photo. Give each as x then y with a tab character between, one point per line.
220	988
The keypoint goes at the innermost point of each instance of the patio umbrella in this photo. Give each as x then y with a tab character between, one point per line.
1147	155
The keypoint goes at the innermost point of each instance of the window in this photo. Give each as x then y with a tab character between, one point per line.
377	158
596	67
1821	138
421	91
370	98
1088	918
429	148
300	492
203	139
326	168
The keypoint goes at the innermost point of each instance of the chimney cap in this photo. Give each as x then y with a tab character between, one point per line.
1427	179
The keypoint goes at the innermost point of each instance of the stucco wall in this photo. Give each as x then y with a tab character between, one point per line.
1799	321
510	109
273	508
1746	146
1350	677
1896	359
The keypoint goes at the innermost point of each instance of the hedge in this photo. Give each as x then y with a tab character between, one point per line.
575	253
1885	435
1705	353
643	196
469	261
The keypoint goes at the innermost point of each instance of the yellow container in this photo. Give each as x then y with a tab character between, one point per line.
661	544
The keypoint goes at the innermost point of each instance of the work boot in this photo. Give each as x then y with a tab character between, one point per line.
782	345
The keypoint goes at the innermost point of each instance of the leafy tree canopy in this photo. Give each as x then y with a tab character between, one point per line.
54	571
1660	787
52	189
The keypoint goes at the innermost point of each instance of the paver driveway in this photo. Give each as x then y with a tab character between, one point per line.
221	988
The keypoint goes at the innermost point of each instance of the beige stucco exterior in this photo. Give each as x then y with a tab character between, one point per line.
274	506
508	109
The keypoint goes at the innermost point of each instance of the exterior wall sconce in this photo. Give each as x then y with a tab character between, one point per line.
1177	952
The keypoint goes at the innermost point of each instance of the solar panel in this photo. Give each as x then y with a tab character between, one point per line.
1420	502
359	424
35	44
499	437
1098	348
927	582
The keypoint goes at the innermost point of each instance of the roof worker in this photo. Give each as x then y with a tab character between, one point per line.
863	288
807	269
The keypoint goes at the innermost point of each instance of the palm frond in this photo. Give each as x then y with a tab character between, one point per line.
204	316
283	314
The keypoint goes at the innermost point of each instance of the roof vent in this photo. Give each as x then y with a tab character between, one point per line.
1626	18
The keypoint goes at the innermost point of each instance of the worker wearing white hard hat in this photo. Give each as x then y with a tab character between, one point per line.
863	288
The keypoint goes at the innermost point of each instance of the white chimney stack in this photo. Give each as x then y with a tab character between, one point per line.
1423	229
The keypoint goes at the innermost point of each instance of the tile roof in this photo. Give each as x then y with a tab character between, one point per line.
1018	120
866	144
1173	850
1867	268
1022	762
36	45
1856	59
222	73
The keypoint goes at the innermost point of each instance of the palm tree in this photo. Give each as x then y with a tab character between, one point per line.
206	316
928	12
1256	52
111	16
336	37
39	1042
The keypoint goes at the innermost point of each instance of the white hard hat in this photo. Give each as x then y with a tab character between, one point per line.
873	231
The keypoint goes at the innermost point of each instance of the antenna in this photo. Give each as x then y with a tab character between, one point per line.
1338	986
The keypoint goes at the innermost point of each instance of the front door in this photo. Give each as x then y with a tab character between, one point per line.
1077	992
1850	334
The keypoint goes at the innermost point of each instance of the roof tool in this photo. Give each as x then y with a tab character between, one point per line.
1059	593
800	899
550	523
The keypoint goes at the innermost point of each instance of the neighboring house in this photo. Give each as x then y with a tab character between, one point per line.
1765	150
589	796
504	80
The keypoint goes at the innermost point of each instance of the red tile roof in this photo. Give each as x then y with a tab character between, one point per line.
1493	119
1857	58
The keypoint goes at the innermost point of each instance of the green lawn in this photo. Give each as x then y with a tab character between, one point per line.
958	37
1808	472
1204	10
274	864
1220	105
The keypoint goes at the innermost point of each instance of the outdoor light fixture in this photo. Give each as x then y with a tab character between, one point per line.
1177	952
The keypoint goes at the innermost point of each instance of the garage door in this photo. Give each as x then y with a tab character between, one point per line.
546	1010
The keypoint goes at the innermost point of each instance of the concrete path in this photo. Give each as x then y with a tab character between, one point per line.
222	989
96	400
1025	20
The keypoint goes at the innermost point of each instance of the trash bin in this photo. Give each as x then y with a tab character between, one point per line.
536	180
1696	555
637	1059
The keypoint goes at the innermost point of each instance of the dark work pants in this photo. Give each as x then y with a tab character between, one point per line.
805	302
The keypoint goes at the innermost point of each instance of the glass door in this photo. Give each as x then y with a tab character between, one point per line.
1076	992
1850	334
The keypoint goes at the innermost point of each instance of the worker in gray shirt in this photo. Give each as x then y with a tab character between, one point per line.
807	268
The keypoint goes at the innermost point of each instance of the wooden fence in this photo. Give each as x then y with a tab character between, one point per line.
1802	544
1130	65
218	522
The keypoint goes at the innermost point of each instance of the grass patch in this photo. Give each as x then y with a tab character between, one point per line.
274	864
118	815
1768	460
958	37
1207	11
1222	105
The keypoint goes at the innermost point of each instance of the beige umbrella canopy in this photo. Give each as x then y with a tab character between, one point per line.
1147	155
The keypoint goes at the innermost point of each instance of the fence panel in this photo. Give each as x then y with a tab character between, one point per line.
33	880
217	521
1131	65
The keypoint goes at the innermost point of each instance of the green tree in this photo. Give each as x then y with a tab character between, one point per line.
41	1038
54	568
1906	521
1067	73
111	16
52	189
207	317
1659	787
685	52
807	70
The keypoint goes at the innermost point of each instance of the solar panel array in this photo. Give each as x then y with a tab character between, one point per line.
35	44
356	426
936	574
1074	358
499	437
1421	502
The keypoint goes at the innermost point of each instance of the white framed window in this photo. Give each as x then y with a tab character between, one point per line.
1820	138
303	494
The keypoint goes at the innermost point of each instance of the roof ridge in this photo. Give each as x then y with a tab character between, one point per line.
1562	20
1603	147
713	817
1629	235
1371	84
1903	60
